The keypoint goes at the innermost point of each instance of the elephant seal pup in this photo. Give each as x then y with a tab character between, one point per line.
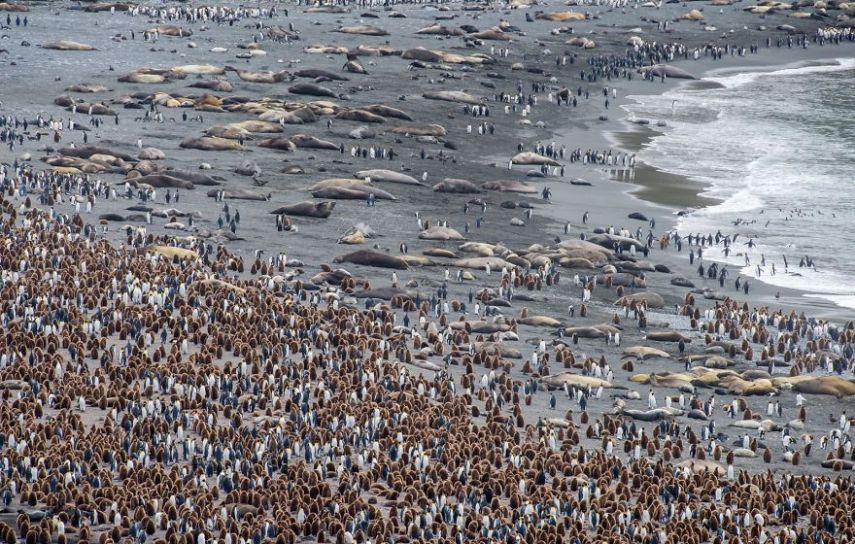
667	336
211	143
362	30
196	178
112	217
68	45
281	143
529	158
539	321
352	192
645	352
577	380
239	194
389	176
655	414
259	77
359	115
214	85
438	233
306	208
440	252
437	131
510	187
164	181
368	257
387	111
453	96
314	73
87	88
651	299
311	142
458	186
593	331
667	70
312	90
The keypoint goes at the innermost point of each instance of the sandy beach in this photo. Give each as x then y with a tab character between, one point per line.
407	284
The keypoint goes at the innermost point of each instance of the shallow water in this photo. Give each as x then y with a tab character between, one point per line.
775	148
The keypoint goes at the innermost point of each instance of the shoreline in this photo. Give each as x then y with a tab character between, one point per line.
677	192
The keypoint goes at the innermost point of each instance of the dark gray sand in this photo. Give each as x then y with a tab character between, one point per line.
295	460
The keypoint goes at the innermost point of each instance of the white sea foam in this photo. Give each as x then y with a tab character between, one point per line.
774	148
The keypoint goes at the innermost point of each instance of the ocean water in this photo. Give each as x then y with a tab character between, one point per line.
777	149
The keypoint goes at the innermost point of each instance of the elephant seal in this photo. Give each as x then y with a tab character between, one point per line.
352	192
592	331
539	321
68	45
211	143
214	85
239	194
697	413
440	252
562	378
362	30
164	181
281	143
256	126
306	208
529	158
383	293
667	70
259	77
198	69
172	31
825	385
228	132
492	34
359	115
311	89
311	142
667	336
333	182
645	352
87	88
387	111
481	263
453	96
196	178
437	131
701	466
389	176
510	187
458	186
112	217
314	73
610	241
362	133
170	252
682	282
87	151
440	234
656	414
354	67
151	154
368	257
651	299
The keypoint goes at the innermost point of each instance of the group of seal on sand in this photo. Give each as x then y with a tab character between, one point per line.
168	388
